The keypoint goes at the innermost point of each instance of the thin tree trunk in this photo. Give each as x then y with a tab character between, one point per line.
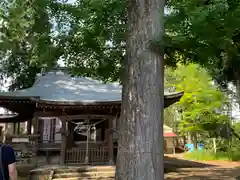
214	145
194	136
238	90
140	151
189	138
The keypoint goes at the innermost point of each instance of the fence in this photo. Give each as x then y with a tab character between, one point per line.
49	145
76	155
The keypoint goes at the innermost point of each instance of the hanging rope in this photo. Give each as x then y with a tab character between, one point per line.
81	127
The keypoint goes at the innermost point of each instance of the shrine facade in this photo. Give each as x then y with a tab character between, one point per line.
70	120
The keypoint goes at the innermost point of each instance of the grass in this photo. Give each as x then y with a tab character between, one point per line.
206	155
234	154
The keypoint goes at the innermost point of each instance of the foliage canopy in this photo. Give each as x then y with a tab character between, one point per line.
89	36
203	105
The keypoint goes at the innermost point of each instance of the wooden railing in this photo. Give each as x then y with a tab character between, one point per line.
56	145
49	145
91	144
77	155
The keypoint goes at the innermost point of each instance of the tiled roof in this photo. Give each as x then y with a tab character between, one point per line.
61	86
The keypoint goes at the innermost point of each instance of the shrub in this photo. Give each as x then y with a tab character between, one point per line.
234	154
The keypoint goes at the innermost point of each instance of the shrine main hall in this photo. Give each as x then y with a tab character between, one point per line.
70	119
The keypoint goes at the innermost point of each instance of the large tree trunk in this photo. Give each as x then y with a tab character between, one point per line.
140	151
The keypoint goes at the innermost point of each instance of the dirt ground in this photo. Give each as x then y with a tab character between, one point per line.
192	170
177	168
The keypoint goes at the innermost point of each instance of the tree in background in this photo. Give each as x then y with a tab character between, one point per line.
170	116
90	37
203	105
27	42
236	127
95	37
208	33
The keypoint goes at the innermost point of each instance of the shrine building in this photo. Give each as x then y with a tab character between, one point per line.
69	119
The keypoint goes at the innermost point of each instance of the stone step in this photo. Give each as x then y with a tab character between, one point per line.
84	169
72	169
83	178
90	174
63	172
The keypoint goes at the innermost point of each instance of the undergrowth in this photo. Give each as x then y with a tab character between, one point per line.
206	155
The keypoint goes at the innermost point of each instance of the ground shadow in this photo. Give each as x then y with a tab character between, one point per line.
182	163
205	174
173	164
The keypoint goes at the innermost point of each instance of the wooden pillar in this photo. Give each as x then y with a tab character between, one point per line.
70	141
106	133
87	142
36	139
5	133
110	143
1	133
14	128
52	130
18	128
35	125
29	126
63	141
25	127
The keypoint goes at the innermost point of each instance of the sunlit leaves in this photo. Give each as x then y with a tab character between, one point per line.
202	106
94	41
26	44
206	32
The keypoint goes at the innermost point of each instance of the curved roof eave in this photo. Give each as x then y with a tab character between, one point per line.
10	118
173	95
57	87
169	99
21	98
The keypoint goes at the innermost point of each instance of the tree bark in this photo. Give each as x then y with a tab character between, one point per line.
140	147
